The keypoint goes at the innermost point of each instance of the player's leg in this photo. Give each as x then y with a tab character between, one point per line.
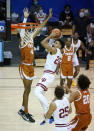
39	93
63	75
27	88
81	122
40	89
69	82
62	81
27	77
70	76
76	67
77	70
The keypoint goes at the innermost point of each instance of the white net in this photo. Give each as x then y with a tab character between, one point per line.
27	34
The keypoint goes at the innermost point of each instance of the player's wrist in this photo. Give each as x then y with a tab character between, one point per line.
25	19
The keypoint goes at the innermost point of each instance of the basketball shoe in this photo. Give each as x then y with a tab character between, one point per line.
21	112
28	117
51	120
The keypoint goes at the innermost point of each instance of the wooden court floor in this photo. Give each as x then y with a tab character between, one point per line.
11	91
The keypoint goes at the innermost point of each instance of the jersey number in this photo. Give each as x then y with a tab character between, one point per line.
86	99
32	52
58	60
69	58
63	111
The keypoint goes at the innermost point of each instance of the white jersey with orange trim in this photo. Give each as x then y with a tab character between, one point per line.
52	61
77	45
75	58
61	113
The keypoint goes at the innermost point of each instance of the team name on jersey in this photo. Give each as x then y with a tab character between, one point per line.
70	53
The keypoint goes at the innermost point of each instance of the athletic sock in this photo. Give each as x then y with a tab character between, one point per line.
26	111
22	108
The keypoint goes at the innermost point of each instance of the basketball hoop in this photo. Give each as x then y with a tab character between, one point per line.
24	25
30	29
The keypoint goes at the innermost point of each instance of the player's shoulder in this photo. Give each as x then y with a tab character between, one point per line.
66	98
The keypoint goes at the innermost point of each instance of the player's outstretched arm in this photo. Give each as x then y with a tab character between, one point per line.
22	31
74	96
70	109
52	108
43	24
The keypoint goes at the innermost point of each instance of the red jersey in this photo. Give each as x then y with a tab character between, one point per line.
82	105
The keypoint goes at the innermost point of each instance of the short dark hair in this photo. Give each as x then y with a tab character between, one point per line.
59	92
83	82
68	37
61	42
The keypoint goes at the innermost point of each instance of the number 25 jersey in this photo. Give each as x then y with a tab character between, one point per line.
61	112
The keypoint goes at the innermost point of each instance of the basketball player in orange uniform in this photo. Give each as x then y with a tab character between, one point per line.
81	99
26	68
66	64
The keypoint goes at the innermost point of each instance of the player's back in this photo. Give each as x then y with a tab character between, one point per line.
61	113
53	60
82	105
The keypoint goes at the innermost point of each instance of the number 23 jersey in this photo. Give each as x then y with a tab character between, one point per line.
53	60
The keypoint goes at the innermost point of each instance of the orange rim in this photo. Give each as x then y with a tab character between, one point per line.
21	25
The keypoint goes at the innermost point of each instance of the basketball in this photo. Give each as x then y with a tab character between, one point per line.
58	32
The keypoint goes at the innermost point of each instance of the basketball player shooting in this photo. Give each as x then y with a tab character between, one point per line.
53	59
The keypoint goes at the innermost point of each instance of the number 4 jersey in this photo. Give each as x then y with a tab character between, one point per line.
82	105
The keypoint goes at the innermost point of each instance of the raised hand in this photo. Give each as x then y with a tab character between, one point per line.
50	12
53	34
26	12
